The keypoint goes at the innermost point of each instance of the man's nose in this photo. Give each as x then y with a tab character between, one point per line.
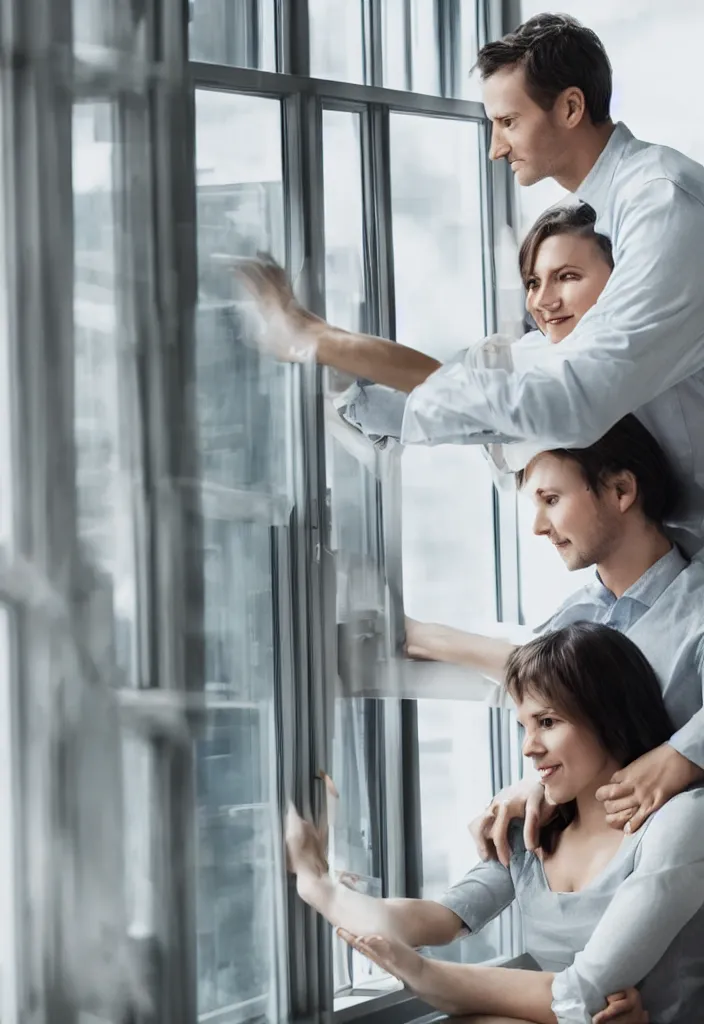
541	524
498	148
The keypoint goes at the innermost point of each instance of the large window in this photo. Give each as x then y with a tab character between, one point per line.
204	571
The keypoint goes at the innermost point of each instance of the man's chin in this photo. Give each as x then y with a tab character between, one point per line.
526	176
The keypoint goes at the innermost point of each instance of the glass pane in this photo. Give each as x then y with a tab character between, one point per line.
437	233
410	42
241	33
336	40
239	909
447	495
455	786
9	787
243	403
355	543
469	84
106	446
112	24
244	414
344	240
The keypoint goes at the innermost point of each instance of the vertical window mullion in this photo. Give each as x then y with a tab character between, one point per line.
315	629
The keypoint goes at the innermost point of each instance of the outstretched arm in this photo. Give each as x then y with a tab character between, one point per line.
463	988
292	334
414	922
443	643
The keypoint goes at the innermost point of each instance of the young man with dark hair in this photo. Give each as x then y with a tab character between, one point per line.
547	89
604	506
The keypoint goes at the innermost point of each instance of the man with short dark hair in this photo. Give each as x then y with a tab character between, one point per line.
604	506
547	89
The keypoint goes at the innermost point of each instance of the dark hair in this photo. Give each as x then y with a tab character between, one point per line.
597	677
555	52
627	446
561	220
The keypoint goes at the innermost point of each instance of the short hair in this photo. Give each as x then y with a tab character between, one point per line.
628	446
590	673
561	220
555	52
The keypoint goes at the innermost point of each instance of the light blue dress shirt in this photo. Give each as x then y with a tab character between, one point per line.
640	921
639	349
663	614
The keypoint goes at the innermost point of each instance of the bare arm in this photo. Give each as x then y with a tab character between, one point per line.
292	334
414	922
500	991
463	988
384	362
443	643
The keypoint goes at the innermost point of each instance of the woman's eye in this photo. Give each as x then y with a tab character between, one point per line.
551	500
569	276
547	723
531	284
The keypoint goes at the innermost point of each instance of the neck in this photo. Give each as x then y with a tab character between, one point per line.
584	154
591	817
636	552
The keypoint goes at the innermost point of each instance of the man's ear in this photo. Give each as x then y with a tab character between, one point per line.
571	107
625	489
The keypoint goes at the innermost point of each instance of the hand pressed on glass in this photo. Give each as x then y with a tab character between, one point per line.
641	788
290	331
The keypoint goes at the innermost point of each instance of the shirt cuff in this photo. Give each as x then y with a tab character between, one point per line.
569	1002
376	411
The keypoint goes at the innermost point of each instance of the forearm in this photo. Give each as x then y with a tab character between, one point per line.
496	991
375	359
486	654
414	922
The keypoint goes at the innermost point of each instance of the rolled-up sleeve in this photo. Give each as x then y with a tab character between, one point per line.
647	913
375	410
644	335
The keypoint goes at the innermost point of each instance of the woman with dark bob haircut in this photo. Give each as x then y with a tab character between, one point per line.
602	911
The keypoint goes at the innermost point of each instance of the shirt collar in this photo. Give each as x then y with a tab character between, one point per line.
597	183
654	581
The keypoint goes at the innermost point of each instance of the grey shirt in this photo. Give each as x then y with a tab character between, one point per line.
639	922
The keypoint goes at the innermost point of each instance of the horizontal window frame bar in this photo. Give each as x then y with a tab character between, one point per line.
270	83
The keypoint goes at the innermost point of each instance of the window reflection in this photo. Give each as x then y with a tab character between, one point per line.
447	496
243	408
336	40
106	448
240	33
243	395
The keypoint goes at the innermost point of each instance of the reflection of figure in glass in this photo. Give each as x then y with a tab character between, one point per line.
547	91
601	910
604	506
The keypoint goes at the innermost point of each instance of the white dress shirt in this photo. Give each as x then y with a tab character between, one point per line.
639	349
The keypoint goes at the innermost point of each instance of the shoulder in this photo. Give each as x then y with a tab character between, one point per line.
573	608
652	177
675	833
